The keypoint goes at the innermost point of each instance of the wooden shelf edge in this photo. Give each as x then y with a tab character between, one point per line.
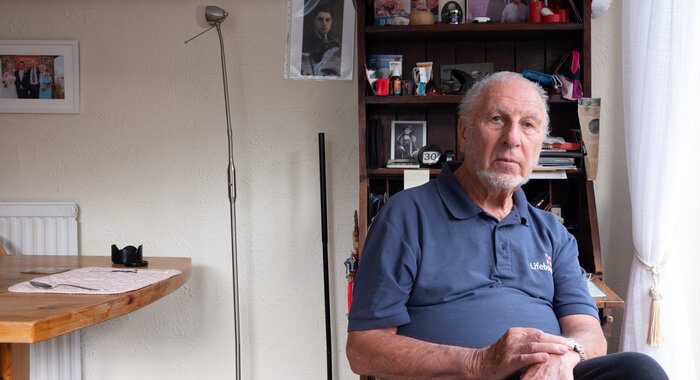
396	172
408	30
438	32
450	100
612	301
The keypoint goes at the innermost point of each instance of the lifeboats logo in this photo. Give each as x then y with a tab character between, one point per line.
547	265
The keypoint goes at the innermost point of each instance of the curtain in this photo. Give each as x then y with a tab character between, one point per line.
660	65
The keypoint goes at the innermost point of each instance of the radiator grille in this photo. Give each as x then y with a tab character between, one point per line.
28	228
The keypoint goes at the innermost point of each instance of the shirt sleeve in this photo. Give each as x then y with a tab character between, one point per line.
384	279
571	294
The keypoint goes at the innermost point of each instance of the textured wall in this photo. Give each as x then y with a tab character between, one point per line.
146	162
611	186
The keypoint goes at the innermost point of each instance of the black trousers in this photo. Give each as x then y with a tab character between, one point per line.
620	365
617	366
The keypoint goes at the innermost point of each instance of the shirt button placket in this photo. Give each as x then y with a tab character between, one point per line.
502	254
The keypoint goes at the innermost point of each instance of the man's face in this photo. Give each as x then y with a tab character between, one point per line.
503	145
21	65
419	5
323	22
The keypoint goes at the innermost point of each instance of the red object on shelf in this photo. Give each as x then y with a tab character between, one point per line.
566	146
382	86
563	15
535	9
551	18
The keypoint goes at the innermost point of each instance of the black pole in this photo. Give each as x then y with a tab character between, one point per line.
324	239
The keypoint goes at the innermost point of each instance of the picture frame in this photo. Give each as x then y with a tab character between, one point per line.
391	12
496	10
321	40
407	137
50	81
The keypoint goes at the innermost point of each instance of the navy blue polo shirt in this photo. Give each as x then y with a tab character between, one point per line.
442	270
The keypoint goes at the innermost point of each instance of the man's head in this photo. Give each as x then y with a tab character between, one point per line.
419	5
503	120
21	65
323	20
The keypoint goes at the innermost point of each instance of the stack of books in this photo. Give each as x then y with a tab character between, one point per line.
556	158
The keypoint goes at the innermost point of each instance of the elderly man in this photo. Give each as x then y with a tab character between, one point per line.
462	279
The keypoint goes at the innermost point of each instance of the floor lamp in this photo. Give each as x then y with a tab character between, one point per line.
214	16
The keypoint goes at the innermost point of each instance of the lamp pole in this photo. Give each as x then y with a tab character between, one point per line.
214	17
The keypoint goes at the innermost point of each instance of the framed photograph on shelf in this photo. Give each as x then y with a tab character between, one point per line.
39	76
512	11
321	40
407	137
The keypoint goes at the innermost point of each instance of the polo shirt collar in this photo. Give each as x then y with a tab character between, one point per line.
461	206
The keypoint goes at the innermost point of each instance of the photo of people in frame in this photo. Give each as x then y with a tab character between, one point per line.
407	137
509	11
31	77
322	38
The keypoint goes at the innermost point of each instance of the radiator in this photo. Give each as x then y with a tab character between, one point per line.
28	228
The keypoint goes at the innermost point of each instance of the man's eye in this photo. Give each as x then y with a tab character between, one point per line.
496	118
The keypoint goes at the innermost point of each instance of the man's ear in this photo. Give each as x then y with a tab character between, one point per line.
461	133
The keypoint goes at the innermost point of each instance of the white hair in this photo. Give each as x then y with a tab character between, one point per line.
472	99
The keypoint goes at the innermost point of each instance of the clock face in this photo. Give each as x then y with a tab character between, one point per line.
430	155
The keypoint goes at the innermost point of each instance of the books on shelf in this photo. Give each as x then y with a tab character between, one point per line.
555	161
541	168
375	139
558	156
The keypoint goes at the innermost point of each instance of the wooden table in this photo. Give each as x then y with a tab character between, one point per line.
30	317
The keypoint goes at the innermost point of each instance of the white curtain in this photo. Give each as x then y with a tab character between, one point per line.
660	59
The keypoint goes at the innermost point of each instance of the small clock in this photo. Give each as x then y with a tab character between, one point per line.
430	156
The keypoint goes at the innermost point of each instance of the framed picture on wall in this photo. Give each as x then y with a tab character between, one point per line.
321	40
39	76
407	137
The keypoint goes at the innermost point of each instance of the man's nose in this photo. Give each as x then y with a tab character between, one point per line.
511	134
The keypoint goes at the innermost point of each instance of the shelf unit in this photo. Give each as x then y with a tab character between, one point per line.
512	47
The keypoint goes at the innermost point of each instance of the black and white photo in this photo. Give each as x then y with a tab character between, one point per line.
407	137
316	47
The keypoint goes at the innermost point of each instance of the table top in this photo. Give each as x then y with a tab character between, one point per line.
32	317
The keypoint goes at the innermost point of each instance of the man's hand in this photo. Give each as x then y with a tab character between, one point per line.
558	367
517	348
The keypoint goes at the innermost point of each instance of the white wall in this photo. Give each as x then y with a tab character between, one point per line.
146	162
611	186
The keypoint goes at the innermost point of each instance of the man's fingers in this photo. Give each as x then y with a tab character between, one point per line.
549	338
530	359
552	348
